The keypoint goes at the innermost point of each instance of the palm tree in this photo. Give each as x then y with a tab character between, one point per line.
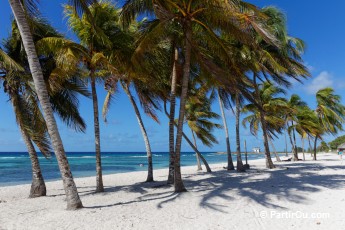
330	113
18	9
198	115
295	104
238	103
17	84
266	112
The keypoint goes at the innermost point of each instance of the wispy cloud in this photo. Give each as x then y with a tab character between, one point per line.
324	79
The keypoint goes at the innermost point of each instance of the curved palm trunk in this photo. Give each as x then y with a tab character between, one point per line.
274	150
179	186
72	197
143	132
172	120
196	155
295	145
38	187
227	140
208	169
286	153
292	145
269	162
315	143
303	149
99	178
310	148
240	167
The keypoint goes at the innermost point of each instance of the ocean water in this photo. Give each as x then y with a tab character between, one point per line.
15	168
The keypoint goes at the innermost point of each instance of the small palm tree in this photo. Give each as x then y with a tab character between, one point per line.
330	113
267	113
198	115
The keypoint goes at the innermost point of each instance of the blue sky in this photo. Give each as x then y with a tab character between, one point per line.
319	24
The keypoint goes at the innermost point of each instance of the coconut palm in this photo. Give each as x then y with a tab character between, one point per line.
20	10
97	31
330	113
198	115
295	104
270	110
18	85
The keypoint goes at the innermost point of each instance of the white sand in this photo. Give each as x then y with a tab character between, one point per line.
221	200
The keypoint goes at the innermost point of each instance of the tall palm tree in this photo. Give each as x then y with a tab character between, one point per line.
18	85
18	9
330	113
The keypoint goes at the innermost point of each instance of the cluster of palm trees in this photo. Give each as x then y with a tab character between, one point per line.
194	50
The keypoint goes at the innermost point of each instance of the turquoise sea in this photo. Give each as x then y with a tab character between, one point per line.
15	168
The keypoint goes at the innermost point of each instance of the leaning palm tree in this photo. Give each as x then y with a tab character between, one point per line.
295	104
18	85
21	11
198	115
330	113
267	113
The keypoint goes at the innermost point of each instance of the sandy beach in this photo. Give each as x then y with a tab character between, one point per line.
296	195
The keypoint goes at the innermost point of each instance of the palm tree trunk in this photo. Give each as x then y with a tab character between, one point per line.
269	162
310	148
286	153
72	197
228	149
274	150
295	145
292	145
303	148
197	156
208	169
99	178
315	144
179	186
38	187
240	167
143	132
172	120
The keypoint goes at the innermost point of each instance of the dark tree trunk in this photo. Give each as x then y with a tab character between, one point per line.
172	119
240	167
315	144
295	156
99	178
303	149
196	155
144	133
72	197
230	165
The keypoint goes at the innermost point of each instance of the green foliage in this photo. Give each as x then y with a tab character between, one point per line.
336	142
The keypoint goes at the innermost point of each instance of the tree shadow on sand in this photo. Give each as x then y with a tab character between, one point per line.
291	181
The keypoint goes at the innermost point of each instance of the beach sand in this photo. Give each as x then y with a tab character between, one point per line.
296	195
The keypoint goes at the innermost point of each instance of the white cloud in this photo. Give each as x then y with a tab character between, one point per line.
324	79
